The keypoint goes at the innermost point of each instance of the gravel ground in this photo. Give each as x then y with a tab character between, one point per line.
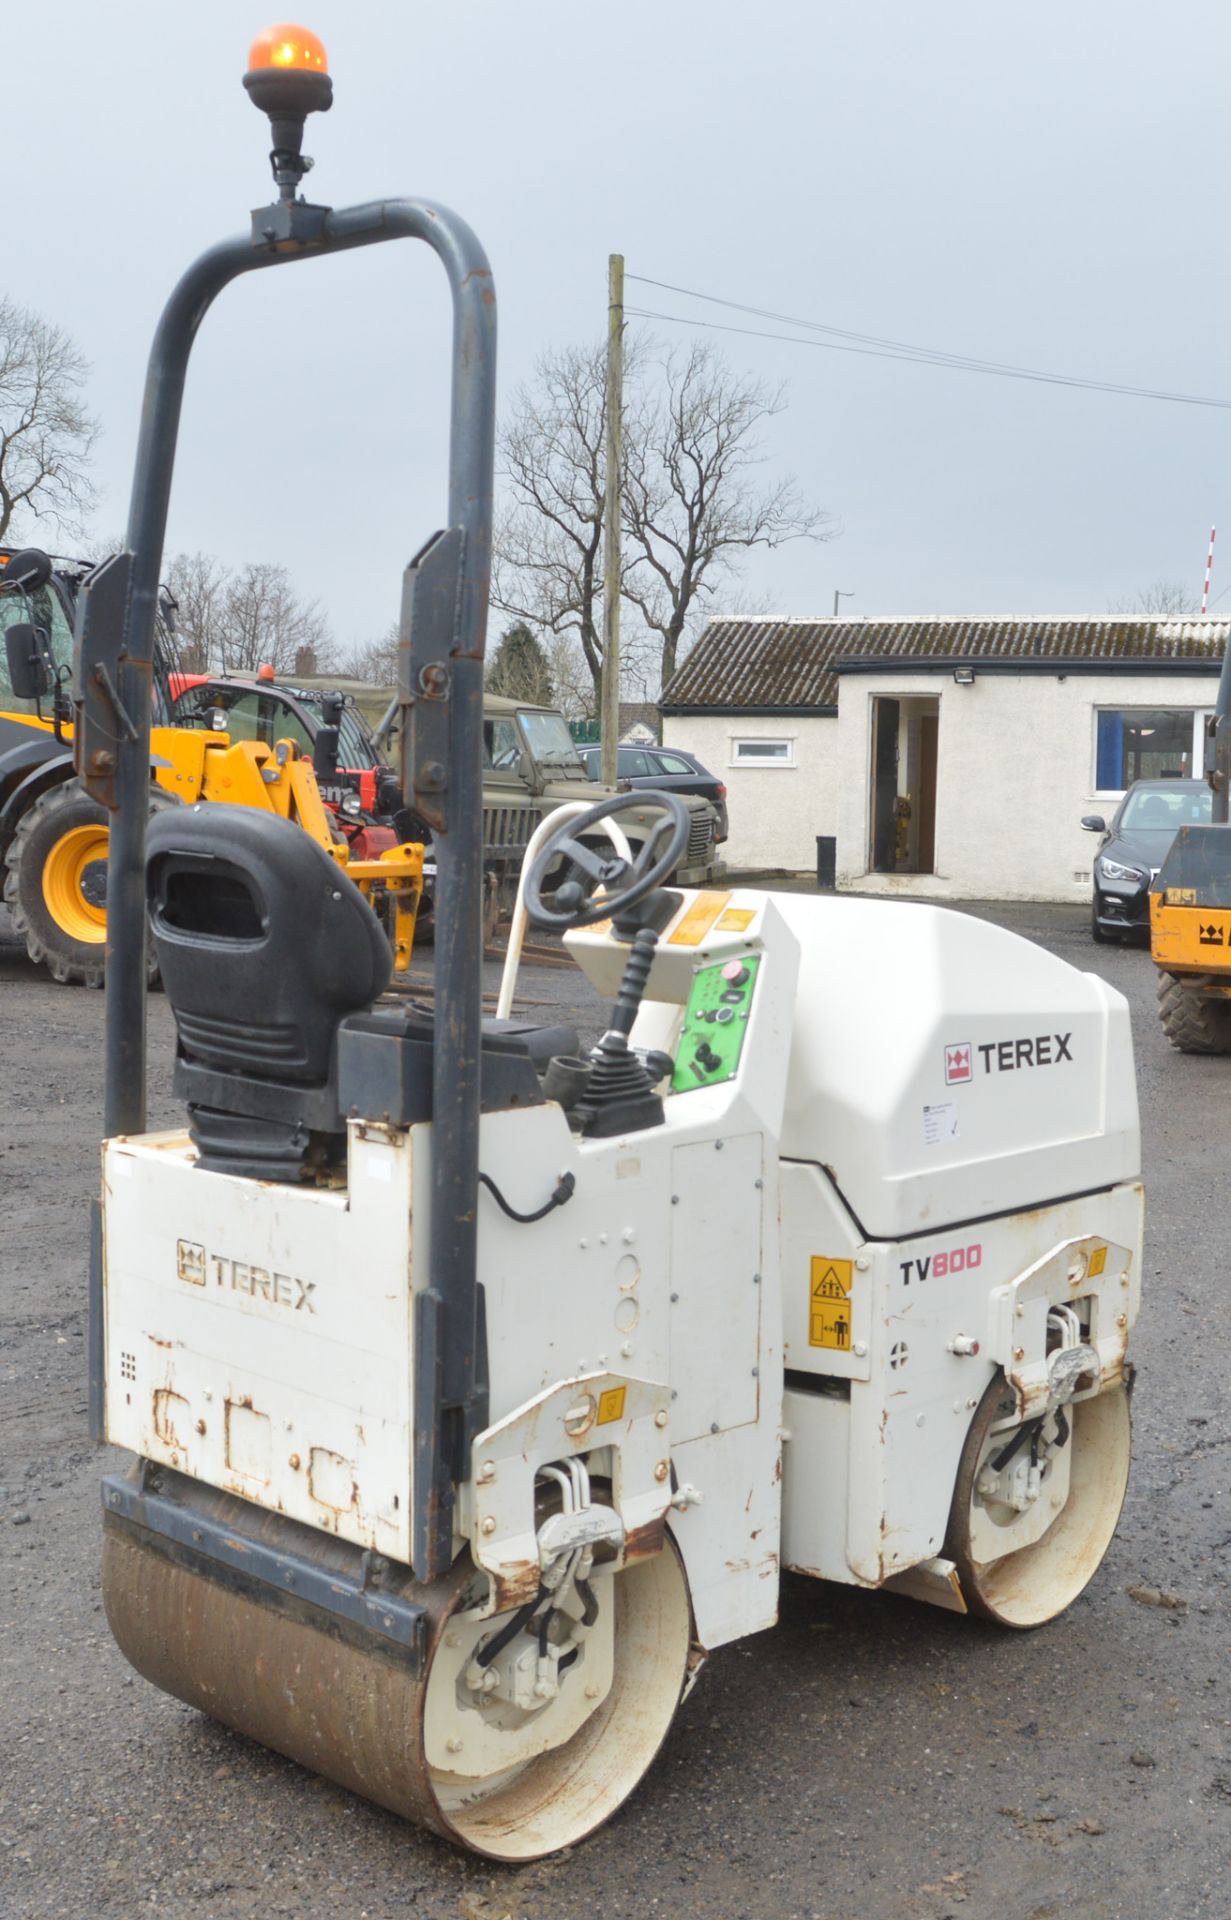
868	1760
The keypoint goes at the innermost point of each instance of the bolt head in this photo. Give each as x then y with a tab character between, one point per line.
660	1418
661	1470
489	1525
1019	1353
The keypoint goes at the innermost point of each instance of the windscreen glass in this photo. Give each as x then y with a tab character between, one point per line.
1166	808
551	743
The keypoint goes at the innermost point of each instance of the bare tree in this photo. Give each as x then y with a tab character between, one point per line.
572	683
196	583
547	553
46	434
1163	599
261	621
375	661
691	509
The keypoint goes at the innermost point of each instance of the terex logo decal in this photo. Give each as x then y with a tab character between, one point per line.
199	1268
1007	1056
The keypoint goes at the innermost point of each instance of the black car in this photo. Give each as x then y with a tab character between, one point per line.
1134	847
667	769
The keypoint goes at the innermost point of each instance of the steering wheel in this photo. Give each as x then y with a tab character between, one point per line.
625	883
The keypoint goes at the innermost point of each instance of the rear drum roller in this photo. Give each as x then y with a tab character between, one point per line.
510	1780
1021	1563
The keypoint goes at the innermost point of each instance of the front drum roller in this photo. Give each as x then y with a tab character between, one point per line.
1021	1565
406	1731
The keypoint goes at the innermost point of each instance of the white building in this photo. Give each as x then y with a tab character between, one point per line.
951	758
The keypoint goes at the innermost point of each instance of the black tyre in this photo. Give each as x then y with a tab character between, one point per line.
55	882
1192	1022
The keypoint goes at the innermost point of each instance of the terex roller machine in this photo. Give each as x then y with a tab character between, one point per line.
480	1384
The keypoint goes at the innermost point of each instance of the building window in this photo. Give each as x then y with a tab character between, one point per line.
762	753
1142	743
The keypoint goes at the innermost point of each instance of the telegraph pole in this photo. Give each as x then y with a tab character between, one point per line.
609	718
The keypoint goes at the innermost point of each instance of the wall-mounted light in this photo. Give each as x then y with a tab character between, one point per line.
964	676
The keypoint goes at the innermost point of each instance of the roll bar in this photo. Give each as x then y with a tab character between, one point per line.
440	689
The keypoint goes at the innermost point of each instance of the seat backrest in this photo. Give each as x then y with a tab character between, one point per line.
263	943
1155	811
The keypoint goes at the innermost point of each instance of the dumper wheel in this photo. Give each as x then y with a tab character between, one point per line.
512	1782
1192	1022
1021	1565
55	882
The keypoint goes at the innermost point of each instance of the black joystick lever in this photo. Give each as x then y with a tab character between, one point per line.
620	1096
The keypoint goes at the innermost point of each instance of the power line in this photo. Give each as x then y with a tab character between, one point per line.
875	347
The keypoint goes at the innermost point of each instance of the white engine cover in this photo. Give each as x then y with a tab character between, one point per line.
943	1069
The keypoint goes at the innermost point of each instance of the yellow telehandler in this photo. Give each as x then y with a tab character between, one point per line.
54	837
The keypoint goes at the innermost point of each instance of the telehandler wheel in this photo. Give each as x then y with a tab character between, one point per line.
1021	1568
55	882
509	1783
1193	1023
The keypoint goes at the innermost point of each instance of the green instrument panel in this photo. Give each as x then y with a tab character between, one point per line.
715	1024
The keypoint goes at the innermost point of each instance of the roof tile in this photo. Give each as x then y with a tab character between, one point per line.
771	662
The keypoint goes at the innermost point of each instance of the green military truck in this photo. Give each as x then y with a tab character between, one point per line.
531	766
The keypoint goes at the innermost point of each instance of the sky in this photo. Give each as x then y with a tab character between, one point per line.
1038	186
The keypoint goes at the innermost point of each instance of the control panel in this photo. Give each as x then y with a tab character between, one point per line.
715	1023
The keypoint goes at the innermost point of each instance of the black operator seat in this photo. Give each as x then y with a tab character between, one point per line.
271	959
264	947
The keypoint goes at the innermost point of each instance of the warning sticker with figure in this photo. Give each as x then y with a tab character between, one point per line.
829	1304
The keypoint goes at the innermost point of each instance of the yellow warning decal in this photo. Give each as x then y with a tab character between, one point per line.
1181	896
1098	1260
697	922
611	1405
737	919
829	1304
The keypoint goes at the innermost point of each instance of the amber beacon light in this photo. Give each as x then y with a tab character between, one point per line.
288	78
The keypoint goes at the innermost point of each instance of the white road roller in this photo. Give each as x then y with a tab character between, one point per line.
480	1384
